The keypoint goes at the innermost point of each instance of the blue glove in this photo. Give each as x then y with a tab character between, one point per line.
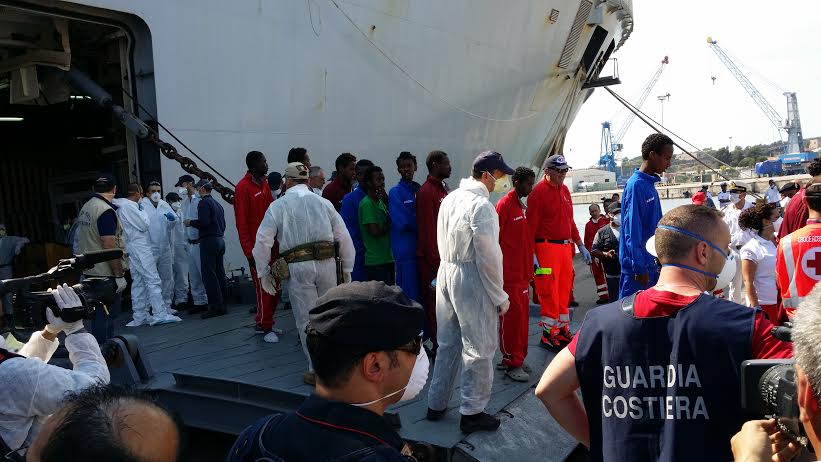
171	216
585	255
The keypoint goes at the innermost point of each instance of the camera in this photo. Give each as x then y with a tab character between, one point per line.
769	388
95	293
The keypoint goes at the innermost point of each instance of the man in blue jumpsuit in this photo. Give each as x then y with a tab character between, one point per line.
402	210
350	214
640	213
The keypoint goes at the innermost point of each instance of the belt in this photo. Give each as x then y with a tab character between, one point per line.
554	241
310	251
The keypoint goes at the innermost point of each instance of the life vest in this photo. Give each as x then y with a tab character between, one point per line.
798	265
657	388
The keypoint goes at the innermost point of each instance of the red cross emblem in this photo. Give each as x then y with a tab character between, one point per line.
811	263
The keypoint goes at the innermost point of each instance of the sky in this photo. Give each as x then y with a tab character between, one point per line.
775	41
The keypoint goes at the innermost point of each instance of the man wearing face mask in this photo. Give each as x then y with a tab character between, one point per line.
161	218
181	251
470	294
366	345
190	202
606	249
550	216
738	236
649	400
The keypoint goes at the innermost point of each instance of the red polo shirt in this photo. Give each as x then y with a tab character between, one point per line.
251	200
550	213
335	191
428	199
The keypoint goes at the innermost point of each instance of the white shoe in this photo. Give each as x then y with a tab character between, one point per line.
136	323
271	337
172	311
167	319
276	331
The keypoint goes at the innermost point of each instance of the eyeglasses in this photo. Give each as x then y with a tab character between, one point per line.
413	347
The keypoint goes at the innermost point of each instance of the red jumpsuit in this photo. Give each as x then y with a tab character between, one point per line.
517	264
598	270
550	216
251	200
428	199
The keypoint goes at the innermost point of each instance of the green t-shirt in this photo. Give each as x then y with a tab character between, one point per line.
377	248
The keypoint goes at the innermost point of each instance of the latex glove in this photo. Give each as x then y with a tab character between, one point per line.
268	283
504	307
65	298
585	255
346	278
170	216
121	284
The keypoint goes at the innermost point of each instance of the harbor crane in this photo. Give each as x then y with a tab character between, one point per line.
610	145
792	126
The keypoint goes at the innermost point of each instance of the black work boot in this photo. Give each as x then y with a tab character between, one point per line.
213	312
479	422
198	309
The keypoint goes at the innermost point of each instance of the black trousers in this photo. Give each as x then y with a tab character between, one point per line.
212	251
385	273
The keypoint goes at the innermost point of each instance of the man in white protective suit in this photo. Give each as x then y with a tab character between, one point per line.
307	226
190	201
470	294
181	251
145	282
32	389
161	218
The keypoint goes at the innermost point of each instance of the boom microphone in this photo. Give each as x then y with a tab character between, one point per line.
89	259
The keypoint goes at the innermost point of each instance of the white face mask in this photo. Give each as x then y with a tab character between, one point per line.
418	378
176	205
155	197
501	184
777	224
616	220
182	192
734	198
727	273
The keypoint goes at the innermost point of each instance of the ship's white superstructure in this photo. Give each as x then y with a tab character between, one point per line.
370	77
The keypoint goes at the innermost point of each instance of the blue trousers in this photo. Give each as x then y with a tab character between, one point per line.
407	277
212	251
358	274
102	326
629	285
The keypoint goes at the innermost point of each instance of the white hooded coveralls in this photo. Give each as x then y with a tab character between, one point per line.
189	212
301	217
182	249
32	390
145	282
468	291
159	231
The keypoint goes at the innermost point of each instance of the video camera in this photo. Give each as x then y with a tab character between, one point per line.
769	388
94	293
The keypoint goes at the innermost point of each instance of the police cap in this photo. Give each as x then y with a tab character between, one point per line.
370	315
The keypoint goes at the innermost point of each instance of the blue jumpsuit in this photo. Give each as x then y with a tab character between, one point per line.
640	214
350	214
402	210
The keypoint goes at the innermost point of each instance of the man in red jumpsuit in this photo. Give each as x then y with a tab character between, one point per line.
550	216
597	222
251	200
428	199
517	265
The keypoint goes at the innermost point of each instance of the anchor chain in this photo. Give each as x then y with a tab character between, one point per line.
187	164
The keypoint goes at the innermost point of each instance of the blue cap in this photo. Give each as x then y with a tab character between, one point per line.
204	183
184	179
557	162
489	161
105	179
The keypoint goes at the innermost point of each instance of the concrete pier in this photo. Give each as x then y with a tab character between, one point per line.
677	190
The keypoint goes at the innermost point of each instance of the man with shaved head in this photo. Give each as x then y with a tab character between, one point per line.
107	423
654	368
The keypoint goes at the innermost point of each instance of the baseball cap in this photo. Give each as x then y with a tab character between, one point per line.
488	161
296	171
614	208
204	183
172	197
557	162
789	186
370	315
699	198
105	179
184	179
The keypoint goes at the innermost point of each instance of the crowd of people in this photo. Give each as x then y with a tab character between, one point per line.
387	287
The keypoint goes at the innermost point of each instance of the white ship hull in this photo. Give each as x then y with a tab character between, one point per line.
370	77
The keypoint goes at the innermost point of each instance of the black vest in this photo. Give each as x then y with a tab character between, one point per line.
664	388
